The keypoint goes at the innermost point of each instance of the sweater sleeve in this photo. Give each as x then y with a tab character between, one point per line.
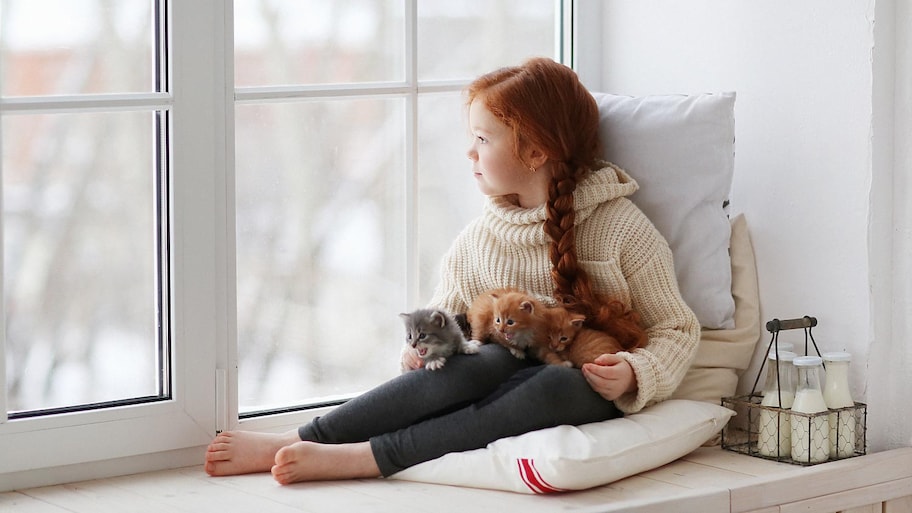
673	331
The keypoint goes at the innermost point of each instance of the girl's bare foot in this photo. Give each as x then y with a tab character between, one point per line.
245	452
310	461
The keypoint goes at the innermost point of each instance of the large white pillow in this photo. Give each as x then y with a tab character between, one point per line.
680	149
567	458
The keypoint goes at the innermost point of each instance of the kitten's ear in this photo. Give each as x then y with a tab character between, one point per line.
439	318
405	316
526	306
577	321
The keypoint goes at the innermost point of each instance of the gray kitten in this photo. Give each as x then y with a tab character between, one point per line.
436	335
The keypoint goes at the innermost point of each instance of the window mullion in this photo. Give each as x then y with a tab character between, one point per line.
411	149
226	364
3	386
200	210
3	391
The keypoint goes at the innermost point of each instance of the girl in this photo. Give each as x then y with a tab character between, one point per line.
557	223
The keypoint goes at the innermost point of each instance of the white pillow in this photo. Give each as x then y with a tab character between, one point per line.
567	458
680	149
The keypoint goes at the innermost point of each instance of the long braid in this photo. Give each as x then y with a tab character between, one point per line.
571	283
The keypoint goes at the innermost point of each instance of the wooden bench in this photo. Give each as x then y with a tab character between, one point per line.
709	480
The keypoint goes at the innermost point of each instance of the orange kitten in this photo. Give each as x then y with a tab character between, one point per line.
513	319
589	344
577	344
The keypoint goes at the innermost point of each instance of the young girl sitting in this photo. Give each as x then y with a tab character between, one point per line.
557	223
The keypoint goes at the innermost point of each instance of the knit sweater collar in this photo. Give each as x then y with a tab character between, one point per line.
524	226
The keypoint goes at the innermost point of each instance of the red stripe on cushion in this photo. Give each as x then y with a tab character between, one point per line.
533	479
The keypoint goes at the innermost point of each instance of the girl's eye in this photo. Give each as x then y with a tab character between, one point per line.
480	139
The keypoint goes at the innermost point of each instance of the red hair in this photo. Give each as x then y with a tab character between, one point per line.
545	105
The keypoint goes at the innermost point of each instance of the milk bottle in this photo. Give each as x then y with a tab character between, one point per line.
810	433
775	435
836	394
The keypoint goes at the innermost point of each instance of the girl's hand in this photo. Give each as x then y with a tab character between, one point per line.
410	360
610	376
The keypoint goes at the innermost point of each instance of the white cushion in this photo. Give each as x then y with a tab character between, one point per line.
567	458
680	149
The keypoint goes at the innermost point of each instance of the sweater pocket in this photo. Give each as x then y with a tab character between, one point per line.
607	279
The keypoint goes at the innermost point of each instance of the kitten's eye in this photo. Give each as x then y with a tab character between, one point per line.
510	322
422	336
497	320
563	339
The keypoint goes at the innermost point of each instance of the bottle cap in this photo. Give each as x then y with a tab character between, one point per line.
785	356
837	356
807	361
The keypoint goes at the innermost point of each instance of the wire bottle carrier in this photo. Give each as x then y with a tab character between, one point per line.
754	420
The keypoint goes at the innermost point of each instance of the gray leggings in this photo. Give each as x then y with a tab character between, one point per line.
472	401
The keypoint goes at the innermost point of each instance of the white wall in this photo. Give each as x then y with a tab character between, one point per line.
819	167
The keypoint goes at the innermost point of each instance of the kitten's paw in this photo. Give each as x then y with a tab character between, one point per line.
567	363
434	364
518	353
470	347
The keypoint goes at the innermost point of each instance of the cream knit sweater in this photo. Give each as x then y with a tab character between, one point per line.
624	254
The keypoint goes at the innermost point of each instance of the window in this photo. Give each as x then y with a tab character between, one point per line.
215	210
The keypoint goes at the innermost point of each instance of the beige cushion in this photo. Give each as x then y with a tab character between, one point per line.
723	355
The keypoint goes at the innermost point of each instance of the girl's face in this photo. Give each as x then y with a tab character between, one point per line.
496	167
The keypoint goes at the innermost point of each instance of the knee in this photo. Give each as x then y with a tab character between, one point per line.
553	383
493	360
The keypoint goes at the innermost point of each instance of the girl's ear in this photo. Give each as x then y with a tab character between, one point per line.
535	158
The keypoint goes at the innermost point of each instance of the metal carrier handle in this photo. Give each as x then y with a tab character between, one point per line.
805	322
775	326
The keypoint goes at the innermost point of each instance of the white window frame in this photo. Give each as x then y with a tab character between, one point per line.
203	357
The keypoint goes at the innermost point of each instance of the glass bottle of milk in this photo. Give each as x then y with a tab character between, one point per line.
775	434
810	433
837	396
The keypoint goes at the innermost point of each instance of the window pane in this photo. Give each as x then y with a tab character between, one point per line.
448	195
283	42
52	47
320	248
79	250
458	40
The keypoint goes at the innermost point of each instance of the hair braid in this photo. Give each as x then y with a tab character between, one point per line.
571	283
